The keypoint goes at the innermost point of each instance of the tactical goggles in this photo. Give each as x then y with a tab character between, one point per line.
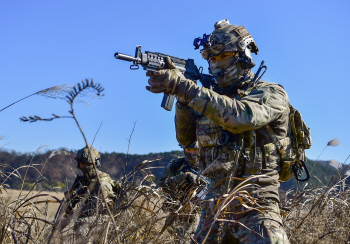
210	46
213	51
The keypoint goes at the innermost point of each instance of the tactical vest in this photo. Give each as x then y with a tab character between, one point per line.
252	152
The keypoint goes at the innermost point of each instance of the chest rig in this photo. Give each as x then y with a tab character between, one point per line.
220	149
222	152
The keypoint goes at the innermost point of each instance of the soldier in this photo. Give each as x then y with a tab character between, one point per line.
87	191
178	179
241	126
175	180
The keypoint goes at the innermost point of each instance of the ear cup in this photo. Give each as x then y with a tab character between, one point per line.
98	163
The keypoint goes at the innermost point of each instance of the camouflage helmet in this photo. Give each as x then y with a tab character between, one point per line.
83	156
226	38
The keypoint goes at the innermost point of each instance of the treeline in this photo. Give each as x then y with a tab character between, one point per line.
61	169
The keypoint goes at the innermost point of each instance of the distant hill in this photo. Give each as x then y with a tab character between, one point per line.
321	173
61	169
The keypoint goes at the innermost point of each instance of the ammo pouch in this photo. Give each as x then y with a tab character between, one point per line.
299	129
286	161
291	149
253	166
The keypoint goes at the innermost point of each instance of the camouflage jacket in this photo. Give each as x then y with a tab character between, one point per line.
80	188
173	179
210	114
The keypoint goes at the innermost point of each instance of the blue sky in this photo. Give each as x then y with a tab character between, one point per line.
48	43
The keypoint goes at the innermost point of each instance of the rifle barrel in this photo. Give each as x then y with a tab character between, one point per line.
126	57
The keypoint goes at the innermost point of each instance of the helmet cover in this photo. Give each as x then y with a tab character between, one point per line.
83	155
226	38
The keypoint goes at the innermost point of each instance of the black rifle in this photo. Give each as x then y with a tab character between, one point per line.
155	61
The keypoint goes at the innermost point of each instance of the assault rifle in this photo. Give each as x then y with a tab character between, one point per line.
155	61
202	194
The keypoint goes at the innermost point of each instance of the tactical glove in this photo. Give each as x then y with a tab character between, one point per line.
171	81
190	177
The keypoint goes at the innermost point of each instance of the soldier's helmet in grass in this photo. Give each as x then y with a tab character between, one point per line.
191	152
86	157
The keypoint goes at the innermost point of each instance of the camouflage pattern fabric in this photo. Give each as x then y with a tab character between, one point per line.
253	227
80	188
244	116
227	38
265	104
173	180
83	154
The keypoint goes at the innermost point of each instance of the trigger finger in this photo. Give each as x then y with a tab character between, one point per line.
153	73
154	83
155	90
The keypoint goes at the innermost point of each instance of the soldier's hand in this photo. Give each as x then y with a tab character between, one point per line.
166	80
190	177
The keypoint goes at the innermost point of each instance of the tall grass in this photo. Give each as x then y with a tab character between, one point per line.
318	214
142	213
138	212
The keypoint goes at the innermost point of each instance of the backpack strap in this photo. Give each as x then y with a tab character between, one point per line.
277	142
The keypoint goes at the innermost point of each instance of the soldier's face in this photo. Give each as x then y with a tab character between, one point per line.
222	57
223	69
191	155
84	164
85	167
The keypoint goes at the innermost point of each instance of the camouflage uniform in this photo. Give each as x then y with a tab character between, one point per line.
231	125
80	189
173	179
174	183
266	104
242	112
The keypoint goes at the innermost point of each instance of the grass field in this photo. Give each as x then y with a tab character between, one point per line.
52	207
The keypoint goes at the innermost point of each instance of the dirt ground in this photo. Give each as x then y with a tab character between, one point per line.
52	206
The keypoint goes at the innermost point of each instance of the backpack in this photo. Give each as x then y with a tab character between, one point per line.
293	162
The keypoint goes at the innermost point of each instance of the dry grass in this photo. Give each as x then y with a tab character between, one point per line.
49	214
27	216
142	213
318	214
